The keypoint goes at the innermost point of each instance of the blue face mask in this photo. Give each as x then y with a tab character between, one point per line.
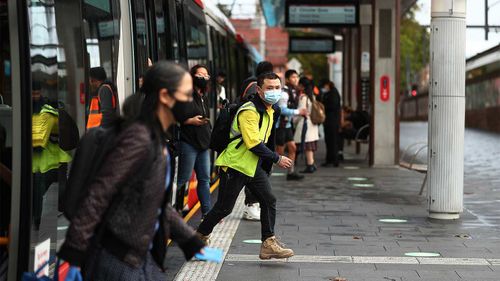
272	96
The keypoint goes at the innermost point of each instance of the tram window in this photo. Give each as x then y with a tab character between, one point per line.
141	38
196	41
101	22
58	70
159	17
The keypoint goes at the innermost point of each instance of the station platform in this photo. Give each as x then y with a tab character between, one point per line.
331	220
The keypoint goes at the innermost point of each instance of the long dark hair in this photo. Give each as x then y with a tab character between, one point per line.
162	75
308	87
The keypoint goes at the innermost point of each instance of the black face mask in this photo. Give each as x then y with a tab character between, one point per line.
200	83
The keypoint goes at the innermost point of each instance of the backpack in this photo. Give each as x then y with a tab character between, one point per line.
90	154
220	137
317	112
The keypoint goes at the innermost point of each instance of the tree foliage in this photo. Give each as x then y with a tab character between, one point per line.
315	64
414	48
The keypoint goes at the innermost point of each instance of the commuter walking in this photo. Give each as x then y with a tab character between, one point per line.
331	99
103	108
121	227
249	90
195	130
284	129
306	133
247	161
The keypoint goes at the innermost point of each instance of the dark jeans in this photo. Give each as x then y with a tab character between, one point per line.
199	160
231	183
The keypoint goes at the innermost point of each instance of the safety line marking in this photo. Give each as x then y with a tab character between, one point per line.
221	238
367	260
198	205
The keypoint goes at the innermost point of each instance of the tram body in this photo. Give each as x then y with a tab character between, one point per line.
54	44
482	94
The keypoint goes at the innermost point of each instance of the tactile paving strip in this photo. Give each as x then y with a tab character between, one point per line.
369	260
221	238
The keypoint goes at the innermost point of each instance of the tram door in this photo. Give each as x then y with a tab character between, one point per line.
44	82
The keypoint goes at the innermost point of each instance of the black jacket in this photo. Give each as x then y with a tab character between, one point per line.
197	136
109	112
125	209
331	101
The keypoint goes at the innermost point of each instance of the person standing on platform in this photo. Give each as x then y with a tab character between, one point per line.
284	129
247	161
194	118
331	100
306	133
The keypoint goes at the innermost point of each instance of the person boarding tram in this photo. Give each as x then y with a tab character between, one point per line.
249	89
247	161
121	227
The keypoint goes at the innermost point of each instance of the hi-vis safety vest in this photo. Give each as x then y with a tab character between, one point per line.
237	156
95	115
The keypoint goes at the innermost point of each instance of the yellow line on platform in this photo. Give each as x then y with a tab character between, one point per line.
196	207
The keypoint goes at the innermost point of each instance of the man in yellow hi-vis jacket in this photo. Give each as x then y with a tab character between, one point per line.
247	161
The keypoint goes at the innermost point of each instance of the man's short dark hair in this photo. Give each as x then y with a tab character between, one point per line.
98	73
290	72
264	76
263	67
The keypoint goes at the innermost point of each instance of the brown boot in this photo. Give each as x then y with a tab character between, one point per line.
271	248
204	238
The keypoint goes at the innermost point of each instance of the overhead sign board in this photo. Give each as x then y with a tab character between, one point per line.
311	45
321	13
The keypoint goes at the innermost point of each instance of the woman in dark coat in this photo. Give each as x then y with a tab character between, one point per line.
130	216
331	100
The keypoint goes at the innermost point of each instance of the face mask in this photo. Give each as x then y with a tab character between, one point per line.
324	90
272	96
200	82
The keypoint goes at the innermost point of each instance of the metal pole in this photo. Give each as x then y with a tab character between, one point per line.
446	109
486	29
262	37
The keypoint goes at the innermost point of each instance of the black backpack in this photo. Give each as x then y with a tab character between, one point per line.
219	139
89	156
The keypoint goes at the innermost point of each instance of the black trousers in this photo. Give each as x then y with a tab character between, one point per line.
230	187
332	141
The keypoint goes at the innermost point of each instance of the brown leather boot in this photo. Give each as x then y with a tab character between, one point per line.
272	248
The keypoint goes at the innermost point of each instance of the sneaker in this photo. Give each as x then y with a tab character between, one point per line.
272	248
252	212
204	238
294	176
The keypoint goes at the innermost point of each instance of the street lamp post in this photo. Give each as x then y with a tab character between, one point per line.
446	109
